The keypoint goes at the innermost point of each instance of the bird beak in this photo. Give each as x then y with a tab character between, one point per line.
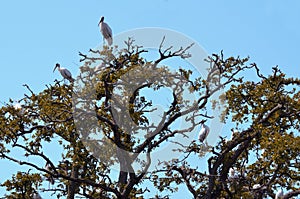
101	20
54	68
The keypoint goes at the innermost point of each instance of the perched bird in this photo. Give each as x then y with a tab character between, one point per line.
99	67
36	196
279	194
232	174
106	31
256	186
203	133
259	187
18	106
262	153
64	72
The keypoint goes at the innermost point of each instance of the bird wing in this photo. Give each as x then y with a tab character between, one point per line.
202	134
66	73
106	32
207	129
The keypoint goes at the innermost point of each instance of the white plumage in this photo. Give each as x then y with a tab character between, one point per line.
256	186
203	133
99	67
36	196
232	173
279	194
106	31
64	72
18	106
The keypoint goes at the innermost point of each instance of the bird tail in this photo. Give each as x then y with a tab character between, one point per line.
71	80
109	41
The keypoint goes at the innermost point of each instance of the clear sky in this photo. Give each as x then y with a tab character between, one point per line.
36	34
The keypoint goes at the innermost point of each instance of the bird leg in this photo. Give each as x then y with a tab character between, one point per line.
206	143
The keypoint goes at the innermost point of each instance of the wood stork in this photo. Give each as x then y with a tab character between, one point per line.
256	186
106	31
64	72
99	67
18	106
232	174
203	133
279	194
36	196
262	153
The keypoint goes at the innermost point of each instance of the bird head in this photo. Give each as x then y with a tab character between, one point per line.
202	122
57	65
101	20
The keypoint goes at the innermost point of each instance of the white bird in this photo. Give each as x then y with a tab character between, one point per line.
18	106
203	133
256	186
232	174
106	31
262	153
259	187
99	67
36	196
64	72
279	194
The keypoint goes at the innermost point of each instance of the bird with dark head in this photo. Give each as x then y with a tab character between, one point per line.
64	72
106	31
203	132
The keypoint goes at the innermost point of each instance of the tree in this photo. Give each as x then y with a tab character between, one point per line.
104	119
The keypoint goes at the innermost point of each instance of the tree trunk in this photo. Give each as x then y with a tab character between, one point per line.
125	166
123	173
72	188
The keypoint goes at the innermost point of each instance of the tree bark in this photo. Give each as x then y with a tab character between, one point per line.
72	188
125	166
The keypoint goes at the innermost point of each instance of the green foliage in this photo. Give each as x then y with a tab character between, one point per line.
98	121
22	185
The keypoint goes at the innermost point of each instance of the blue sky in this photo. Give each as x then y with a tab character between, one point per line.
36	34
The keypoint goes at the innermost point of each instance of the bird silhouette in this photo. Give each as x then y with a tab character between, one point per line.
203	132
64	72
106	31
